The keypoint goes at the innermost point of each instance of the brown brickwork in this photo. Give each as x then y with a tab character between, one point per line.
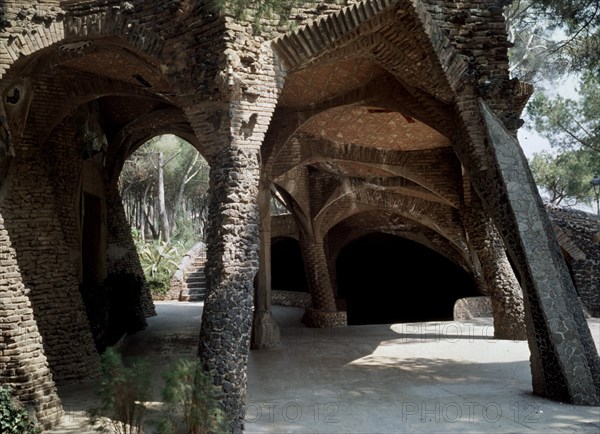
23	365
369	116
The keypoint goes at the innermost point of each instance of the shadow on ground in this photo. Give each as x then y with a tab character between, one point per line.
419	377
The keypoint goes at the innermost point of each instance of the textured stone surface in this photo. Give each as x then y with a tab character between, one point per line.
232	262
324	319
291	299
578	234
565	362
500	280
365	118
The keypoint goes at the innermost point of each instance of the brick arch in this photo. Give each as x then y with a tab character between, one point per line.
377	28
55	99
422	212
74	34
384	93
449	251
310	151
136	133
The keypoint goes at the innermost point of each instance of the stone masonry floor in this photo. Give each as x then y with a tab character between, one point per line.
418	377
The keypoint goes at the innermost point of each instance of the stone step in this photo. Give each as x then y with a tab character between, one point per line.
195	279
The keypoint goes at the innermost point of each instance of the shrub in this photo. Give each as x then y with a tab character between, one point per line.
13	417
191	400
159	261
122	394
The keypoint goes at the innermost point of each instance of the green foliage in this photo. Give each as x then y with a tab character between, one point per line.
13	417
160	261
566	177
185	185
573	128
278	12
534	56
191	401
158	258
567	123
580	21
122	394
553	37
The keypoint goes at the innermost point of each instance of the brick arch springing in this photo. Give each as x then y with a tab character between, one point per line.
432	240
430	215
304	150
355	30
74	32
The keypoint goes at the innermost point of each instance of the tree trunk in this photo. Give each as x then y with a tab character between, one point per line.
184	181
162	208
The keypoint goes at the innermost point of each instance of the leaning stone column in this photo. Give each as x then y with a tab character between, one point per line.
232	262
564	361
31	220
500	280
122	256
265	332
323	313
23	363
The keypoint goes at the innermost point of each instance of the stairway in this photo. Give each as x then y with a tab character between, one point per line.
194	281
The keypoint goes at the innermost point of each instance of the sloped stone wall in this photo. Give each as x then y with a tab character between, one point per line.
23	364
34	228
122	256
582	229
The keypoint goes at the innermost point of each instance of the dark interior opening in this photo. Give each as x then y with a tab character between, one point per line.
287	266
388	279
90	249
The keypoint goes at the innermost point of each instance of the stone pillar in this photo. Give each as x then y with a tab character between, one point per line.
23	364
564	361
122	255
323	313
265	332
500	280
31	220
232	262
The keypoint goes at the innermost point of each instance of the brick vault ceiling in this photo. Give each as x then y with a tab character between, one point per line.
373	127
117	63
313	85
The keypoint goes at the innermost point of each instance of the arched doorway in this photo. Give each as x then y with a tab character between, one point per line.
386	279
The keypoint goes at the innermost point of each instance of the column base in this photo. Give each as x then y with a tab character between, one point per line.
324	319
265	331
